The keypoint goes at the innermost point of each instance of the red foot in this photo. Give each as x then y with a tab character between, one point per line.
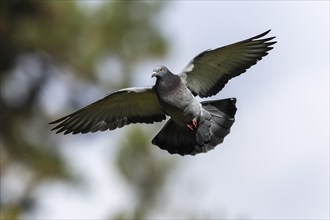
193	125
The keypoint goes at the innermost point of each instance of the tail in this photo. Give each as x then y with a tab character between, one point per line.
215	123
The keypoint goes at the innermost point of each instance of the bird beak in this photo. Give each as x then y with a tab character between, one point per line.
154	74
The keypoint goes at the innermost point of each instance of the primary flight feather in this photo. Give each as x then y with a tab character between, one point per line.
193	127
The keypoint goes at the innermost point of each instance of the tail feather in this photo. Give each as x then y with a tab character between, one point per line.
203	133
222	118
215	123
175	139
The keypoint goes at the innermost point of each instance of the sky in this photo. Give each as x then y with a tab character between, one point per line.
275	162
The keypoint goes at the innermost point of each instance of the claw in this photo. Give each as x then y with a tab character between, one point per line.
193	125
190	127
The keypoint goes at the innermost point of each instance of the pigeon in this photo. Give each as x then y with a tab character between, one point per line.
193	127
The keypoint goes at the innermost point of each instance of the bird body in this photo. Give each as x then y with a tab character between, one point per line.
194	127
169	89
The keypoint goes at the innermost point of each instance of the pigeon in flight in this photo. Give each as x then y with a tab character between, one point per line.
194	127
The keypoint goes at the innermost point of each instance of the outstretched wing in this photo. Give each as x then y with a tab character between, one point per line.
209	71
132	105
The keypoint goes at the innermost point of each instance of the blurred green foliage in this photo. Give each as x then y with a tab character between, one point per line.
39	36
76	37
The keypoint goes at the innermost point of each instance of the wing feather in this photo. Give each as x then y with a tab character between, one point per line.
126	106
209	71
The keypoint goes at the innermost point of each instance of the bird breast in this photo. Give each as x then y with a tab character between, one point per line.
179	103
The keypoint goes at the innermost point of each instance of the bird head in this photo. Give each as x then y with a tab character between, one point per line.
159	71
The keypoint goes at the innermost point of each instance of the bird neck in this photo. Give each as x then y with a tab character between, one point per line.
168	82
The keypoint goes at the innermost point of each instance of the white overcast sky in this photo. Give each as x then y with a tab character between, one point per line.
275	162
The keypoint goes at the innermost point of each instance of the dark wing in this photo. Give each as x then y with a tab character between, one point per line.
209	71
120	108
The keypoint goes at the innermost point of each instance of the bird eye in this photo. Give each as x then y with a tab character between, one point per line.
161	69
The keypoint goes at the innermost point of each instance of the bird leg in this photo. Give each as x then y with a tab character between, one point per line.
193	124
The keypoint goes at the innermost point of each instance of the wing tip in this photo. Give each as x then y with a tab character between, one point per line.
60	119
262	35
266	32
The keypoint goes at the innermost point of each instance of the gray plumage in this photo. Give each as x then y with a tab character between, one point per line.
193	127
